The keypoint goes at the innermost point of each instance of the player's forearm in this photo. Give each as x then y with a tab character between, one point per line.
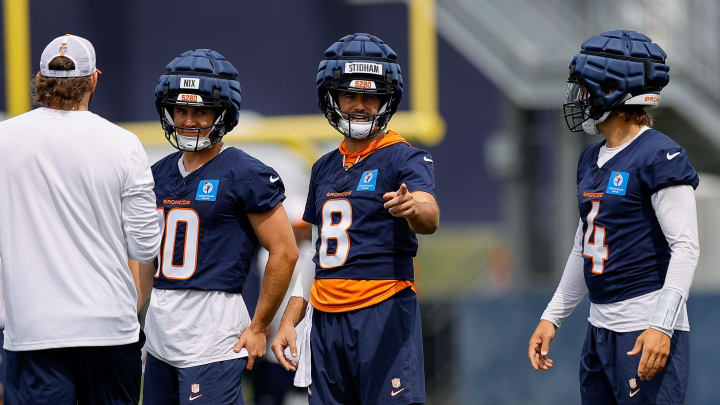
427	218
572	288
278	272
146	275
295	311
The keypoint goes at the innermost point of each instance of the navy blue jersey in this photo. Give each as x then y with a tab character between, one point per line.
208	241
626	254
358	238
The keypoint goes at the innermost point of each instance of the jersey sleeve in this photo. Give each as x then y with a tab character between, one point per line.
669	166
309	214
263	191
417	171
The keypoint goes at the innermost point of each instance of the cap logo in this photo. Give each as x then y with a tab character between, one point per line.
363	67
189	83
63	48
362	84
189	98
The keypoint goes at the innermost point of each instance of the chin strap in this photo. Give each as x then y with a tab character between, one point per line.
590	125
667	310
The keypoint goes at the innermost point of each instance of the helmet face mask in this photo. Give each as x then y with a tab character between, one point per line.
196	138
576	108
355	124
201	78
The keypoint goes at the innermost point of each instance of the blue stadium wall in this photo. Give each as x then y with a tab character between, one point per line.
276	46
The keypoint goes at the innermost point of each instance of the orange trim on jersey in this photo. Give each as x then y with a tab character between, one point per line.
343	295
390	138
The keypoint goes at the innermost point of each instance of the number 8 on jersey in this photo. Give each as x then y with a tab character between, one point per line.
332	210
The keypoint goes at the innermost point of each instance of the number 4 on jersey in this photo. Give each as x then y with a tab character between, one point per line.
597	250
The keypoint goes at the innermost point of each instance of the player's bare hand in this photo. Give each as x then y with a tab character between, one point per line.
400	203
286	337
655	347
540	346
255	342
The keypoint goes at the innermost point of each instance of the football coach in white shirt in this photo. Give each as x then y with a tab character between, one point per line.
78	201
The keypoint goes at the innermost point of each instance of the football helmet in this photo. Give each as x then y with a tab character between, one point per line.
198	78
612	69
359	63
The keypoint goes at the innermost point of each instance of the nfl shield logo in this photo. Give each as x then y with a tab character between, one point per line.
396	383
195	388
633	384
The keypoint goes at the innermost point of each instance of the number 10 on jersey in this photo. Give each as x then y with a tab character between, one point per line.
184	270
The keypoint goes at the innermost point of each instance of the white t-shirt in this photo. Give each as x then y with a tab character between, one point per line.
78	201
188	328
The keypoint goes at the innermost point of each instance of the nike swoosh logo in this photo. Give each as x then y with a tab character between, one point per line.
671	157
274	179
427	159
192	398
632	394
393	392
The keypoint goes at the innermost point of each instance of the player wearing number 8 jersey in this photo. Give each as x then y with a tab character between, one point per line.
368	199
636	246
219	205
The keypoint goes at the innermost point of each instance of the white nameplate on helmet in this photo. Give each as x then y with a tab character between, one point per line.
364	67
362	84
189	98
189	83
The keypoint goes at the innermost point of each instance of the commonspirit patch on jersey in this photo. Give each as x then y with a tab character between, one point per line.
617	184
207	190
368	180
364	67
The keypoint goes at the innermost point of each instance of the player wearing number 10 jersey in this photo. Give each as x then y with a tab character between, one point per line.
636	246
219	205
368	199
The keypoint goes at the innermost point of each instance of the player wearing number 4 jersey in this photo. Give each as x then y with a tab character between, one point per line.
636	246
219	204
368	199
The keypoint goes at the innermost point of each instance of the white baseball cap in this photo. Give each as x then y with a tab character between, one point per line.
77	49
